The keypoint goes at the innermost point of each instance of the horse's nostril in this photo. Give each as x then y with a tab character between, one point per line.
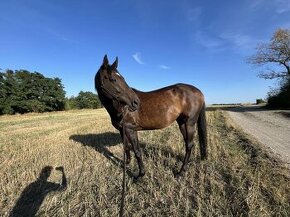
135	103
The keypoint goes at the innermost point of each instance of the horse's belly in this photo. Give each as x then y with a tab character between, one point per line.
157	120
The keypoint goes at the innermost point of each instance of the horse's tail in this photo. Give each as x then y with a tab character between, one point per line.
202	133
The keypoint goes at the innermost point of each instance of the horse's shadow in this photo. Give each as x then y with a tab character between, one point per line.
101	142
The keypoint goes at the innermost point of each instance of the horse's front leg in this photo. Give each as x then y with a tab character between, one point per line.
133	139
126	147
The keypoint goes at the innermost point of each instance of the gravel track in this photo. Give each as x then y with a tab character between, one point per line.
270	127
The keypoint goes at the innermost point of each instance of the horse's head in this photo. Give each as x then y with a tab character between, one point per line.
114	87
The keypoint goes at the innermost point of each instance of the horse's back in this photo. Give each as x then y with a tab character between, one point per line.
179	95
174	87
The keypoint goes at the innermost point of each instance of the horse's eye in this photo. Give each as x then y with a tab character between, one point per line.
113	79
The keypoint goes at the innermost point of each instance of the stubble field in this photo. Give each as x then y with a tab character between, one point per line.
239	179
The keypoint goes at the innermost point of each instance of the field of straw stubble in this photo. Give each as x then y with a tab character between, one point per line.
238	179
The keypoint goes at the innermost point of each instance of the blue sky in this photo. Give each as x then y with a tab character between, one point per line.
201	42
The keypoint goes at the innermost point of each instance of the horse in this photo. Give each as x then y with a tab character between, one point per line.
132	110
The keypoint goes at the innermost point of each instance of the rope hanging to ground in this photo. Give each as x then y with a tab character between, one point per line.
123	185
121	213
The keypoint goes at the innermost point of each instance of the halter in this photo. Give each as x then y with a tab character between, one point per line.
114	96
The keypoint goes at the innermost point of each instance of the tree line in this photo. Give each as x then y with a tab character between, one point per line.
22	91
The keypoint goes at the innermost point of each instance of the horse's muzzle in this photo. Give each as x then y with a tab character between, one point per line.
135	104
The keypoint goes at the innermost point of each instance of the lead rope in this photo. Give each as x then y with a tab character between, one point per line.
124	171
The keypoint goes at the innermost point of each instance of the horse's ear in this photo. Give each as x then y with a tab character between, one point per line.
115	64
105	61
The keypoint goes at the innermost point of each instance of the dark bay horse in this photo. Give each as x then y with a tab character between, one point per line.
134	110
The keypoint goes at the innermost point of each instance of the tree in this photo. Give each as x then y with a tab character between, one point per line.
275	57
8	92
22	91
277	53
71	103
87	100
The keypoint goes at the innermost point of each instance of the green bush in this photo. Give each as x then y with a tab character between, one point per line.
259	101
280	98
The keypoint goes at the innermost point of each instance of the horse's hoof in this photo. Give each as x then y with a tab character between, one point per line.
138	178
128	162
178	175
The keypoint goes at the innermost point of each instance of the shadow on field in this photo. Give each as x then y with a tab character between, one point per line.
33	195
285	114
101	142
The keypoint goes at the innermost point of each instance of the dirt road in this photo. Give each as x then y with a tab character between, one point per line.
270	127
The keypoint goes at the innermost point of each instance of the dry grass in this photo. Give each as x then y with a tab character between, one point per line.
238	179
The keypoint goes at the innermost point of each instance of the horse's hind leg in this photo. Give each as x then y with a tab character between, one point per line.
188	131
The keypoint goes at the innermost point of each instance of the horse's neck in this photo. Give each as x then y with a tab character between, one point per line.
113	108
115	112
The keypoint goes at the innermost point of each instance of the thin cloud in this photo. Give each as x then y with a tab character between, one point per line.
164	67
69	40
210	42
137	58
193	14
238	41
60	36
255	3
283	6
279	6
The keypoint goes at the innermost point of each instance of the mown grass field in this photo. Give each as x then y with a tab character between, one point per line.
238	179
